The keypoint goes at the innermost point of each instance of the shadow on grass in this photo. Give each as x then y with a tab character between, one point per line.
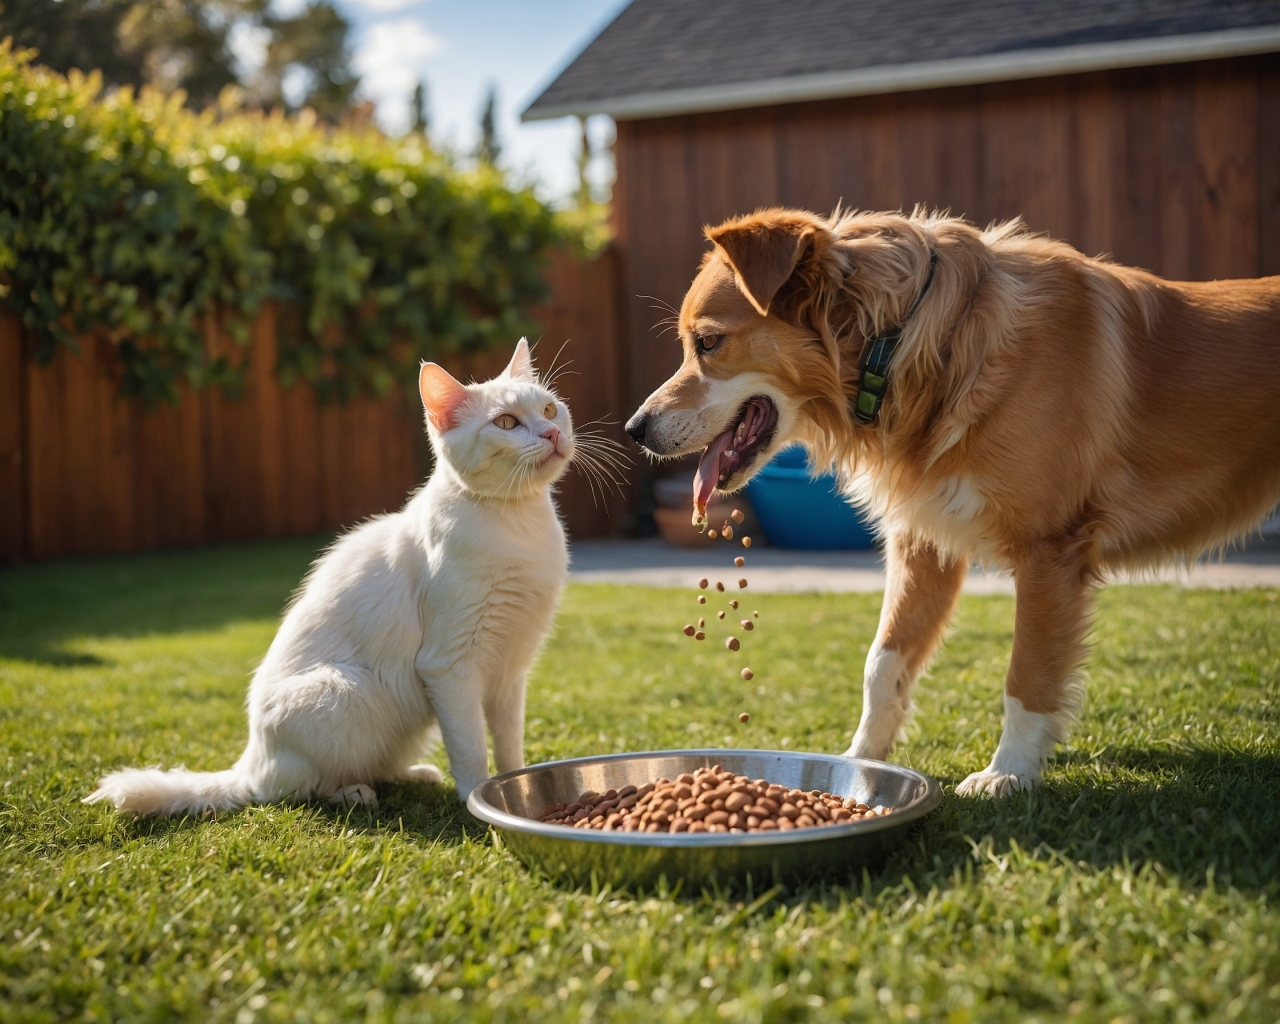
431	814
1197	813
46	608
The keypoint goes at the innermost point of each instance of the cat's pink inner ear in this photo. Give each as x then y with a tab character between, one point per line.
441	395
521	365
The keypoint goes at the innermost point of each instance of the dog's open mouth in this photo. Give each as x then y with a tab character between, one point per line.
734	450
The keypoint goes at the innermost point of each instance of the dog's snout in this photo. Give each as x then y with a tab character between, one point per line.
637	426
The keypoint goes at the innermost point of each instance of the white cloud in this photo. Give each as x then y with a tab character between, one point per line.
390	61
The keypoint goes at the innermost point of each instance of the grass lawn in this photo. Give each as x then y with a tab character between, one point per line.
1142	882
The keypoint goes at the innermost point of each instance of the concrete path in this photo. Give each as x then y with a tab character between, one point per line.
653	563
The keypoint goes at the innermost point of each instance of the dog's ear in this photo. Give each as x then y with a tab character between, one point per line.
763	252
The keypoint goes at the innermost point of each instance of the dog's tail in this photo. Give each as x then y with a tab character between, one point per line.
150	791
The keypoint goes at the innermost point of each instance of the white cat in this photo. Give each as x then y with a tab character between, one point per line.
428	616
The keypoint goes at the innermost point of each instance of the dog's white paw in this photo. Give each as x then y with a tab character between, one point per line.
993	782
358	795
428	774
874	747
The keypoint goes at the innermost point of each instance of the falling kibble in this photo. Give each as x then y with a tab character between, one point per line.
699	635
744	718
742	584
755	615
748	674
746	542
719	586
712	533
689	631
720	615
702	599
733	643
739	561
701	623
748	625
734	604
736	515
727	530
703	583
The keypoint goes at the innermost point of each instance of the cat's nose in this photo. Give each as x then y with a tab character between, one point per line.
552	434
637	425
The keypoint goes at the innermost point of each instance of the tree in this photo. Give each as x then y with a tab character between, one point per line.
172	44
489	148
312	43
185	44
419	119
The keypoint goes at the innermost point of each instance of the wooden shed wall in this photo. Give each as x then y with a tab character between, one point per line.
1175	169
83	472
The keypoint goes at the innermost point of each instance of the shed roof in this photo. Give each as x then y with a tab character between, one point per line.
663	57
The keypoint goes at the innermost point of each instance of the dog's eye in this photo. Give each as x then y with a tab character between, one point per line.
506	421
708	342
550	411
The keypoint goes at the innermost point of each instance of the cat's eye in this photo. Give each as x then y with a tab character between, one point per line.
506	421
550	411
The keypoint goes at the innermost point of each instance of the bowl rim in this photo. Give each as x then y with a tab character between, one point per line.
924	802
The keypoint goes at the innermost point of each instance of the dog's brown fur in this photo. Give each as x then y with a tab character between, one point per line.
1049	413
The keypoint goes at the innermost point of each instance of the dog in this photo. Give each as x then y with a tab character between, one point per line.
988	395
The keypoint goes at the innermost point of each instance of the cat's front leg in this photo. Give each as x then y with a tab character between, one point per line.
455	698
504	709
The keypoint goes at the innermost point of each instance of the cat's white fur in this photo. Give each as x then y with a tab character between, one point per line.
428	617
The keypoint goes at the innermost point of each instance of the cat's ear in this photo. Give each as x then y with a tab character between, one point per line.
521	365
441	395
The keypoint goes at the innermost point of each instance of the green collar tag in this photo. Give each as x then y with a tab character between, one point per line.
873	381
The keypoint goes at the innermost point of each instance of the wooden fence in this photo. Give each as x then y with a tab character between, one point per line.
83	472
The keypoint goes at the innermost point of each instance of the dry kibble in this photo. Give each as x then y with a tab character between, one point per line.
720	615
699	635
689	631
701	623
708	800
712	533
719	586
746	542
739	561
736	515
747	674
744	718
727	531
734	604
703	583
748	625
702	599
755	615
742	584
733	643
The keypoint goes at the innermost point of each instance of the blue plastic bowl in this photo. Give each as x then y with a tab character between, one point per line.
801	511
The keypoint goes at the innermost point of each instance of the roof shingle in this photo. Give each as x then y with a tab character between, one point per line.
692	48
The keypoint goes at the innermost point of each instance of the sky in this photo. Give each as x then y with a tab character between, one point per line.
461	47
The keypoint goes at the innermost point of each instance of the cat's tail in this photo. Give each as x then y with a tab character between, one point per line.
147	792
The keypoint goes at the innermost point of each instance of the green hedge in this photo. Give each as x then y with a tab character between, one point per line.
135	215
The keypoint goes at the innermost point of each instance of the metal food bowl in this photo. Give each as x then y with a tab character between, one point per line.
511	803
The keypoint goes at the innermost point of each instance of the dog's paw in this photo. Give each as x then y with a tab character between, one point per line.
870	747
993	782
355	796
428	774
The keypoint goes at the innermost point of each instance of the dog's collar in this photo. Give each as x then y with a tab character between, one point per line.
873	380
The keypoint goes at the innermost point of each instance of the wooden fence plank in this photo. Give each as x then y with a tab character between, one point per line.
13	490
1226	160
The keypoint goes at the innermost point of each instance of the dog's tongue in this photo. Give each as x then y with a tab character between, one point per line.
708	475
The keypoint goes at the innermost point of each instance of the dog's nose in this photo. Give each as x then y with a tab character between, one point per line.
637	425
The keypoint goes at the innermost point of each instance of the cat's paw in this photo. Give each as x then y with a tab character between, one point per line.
355	796
428	774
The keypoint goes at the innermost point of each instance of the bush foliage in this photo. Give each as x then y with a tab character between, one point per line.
132	215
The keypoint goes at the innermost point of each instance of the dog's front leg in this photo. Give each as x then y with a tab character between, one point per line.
1042	690
920	595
